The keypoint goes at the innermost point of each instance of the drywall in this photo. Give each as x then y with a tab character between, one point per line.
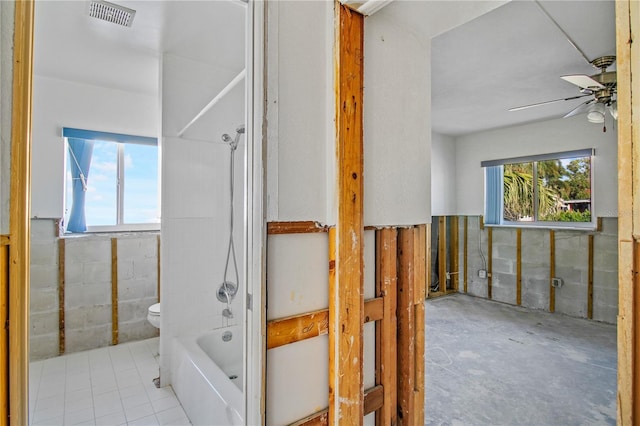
443	175
61	103
300	126
557	135
6	79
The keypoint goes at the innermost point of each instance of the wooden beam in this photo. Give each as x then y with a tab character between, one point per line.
4	335
373	400
61	290
590	280
518	266
386	281
5	240
302	227
552	270
420	280
114	291
489	261
346	302
20	213
627	22
295	328
465	254
442	252
406	330
453	253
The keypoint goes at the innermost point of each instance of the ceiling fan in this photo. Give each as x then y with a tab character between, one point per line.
601	87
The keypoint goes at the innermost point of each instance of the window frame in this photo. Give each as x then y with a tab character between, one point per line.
121	140
534	159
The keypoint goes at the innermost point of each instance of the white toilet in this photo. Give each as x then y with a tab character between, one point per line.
154	315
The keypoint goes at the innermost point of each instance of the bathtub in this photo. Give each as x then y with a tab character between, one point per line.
208	379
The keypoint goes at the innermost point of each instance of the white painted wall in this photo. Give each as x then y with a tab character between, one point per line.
443	175
6	79
195	202
537	138
300	127
62	103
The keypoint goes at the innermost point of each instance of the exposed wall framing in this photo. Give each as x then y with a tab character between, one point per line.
465	254
4	349
114	291
19	214
61	306
552	270
518	266
489	263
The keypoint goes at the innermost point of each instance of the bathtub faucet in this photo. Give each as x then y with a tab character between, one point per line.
227	313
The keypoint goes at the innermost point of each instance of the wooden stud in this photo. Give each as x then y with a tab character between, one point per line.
295	328
346	303
4	348
489	261
303	227
518	266
480	222
158	266
114	291
454	253
5	240
590	280
427	260
406	330
552	270
61	289
627	22
20	213
465	254
420	280
373	400
599	224
442	253
386	280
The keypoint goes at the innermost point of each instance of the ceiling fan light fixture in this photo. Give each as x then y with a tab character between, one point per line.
596	113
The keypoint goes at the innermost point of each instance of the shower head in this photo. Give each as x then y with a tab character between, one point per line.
240	129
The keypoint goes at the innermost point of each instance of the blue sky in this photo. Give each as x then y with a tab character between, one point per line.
140	191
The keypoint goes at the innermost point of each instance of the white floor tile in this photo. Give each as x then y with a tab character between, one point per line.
132	390
138	412
73	405
57	421
40	416
159	393
165	403
171	415
135	400
111	419
49	402
145	421
78	417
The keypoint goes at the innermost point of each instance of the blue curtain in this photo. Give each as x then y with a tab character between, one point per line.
80	151
493	192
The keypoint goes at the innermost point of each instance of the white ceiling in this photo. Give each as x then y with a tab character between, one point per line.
513	56
73	46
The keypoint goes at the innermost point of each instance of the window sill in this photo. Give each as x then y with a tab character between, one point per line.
555	226
113	231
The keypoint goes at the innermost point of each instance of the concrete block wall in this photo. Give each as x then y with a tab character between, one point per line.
571	264
88	313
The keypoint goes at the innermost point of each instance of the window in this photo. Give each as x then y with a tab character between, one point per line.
561	195
111	182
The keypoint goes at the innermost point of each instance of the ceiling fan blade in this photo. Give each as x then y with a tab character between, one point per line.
579	109
547	102
583	81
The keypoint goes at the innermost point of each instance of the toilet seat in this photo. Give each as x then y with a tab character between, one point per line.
154	309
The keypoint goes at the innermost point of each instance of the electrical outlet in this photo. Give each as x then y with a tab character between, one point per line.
482	273
556	282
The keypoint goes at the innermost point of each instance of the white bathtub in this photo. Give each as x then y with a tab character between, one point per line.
208	380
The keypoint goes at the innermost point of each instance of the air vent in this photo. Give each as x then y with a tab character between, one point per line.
111	12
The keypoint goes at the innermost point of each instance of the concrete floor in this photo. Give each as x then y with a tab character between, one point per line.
489	363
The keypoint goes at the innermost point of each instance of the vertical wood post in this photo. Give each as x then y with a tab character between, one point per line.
20	213
627	59
4	316
419	295
590	282
552	270
442	253
489	262
466	242
453	253
519	267
61	288
386	282
346	302
114	291
406	332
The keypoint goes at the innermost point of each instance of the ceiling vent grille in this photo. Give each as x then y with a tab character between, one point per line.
110	12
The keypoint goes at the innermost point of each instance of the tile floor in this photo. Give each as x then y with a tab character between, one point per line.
107	386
